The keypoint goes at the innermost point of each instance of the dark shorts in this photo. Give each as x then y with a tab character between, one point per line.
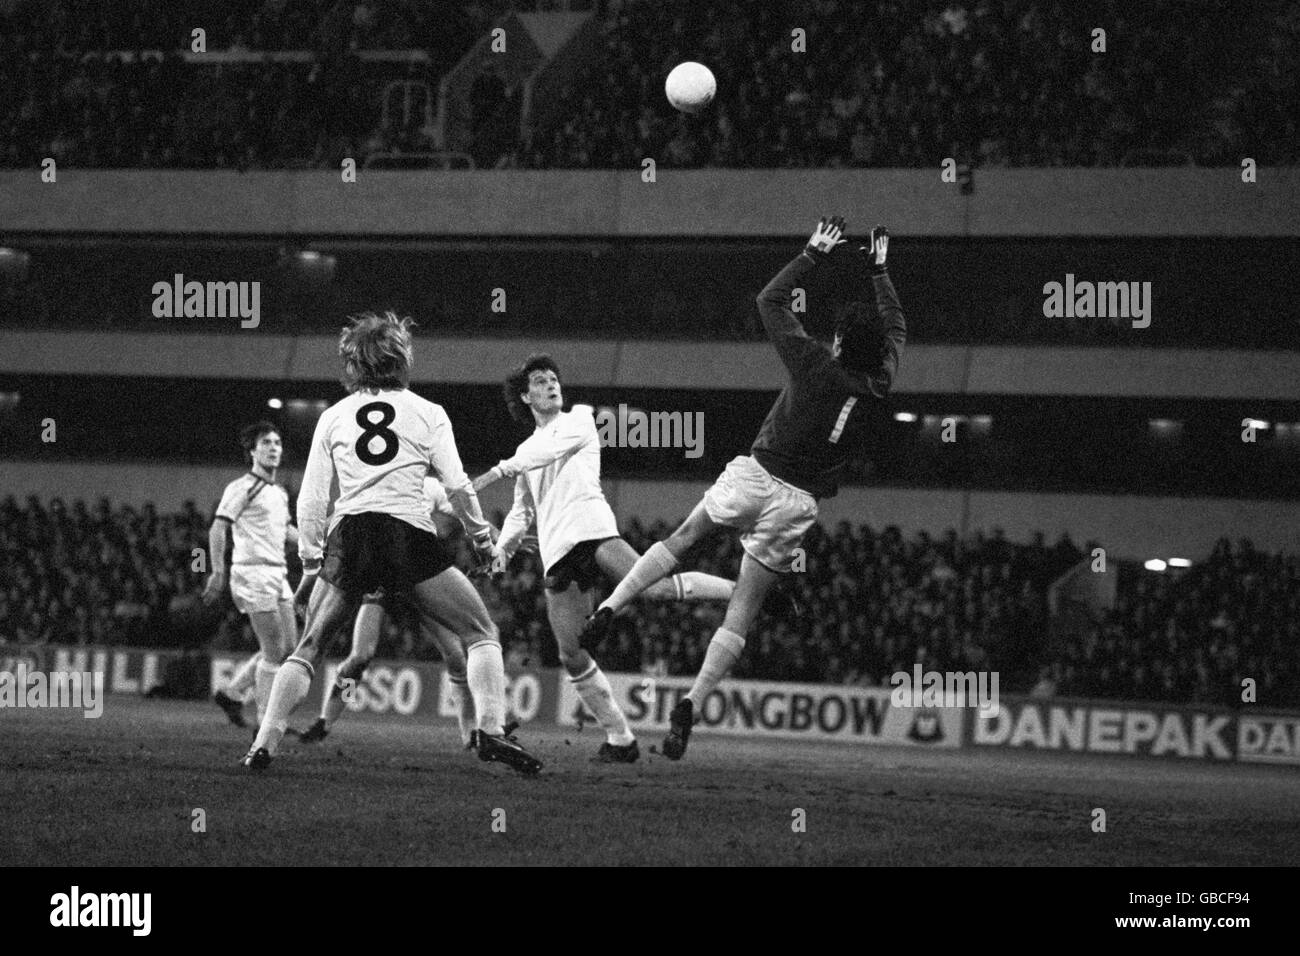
370	551
578	566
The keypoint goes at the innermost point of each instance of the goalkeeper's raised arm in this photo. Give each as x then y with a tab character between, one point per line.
890	322
800	353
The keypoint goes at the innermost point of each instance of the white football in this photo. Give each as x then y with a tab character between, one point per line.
690	87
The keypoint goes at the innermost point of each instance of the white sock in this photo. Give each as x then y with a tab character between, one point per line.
485	673
242	679
292	682
464	706
333	705
656	563
593	687
691	586
724	650
266	672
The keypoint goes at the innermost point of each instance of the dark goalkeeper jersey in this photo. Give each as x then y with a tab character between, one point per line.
820	419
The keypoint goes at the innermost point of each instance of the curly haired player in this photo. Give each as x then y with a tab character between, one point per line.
557	483
770	495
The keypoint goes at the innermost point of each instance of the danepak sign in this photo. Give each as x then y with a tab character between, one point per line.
1098	727
1268	739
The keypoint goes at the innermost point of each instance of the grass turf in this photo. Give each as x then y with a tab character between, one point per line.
123	790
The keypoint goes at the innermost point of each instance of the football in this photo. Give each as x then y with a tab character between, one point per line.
690	87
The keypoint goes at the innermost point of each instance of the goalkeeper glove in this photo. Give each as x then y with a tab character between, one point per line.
826	237
874	254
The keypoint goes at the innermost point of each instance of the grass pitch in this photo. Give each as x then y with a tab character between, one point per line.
124	789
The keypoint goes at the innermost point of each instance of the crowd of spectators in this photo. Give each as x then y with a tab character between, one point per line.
322	26
1196	637
900	83
108	87
164	114
876	603
892	83
97	575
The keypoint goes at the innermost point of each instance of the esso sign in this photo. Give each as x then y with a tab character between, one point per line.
382	689
523	697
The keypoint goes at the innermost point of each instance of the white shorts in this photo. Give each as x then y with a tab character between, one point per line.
259	587
771	515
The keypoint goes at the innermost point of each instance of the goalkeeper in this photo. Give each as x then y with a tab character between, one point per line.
819	422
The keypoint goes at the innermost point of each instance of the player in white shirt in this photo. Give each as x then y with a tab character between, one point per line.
368	627
557	483
256	510
376	447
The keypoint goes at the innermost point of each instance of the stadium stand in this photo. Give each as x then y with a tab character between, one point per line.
85	26
877	603
992	84
1012	84
94	90
1193	638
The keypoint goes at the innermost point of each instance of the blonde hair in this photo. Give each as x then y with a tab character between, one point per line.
376	351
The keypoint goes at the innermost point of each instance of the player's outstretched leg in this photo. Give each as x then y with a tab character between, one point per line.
230	698
329	608
566	610
658	562
365	639
724	650
617	558
449	599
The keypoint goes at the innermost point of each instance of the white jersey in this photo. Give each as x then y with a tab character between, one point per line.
440	509
558	483
436	495
258	512
379	447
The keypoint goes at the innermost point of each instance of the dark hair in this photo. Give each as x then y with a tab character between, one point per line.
376	350
517	384
252	434
862	337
